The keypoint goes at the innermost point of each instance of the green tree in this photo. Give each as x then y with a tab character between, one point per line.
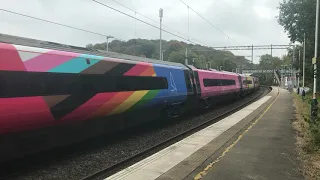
298	17
89	46
147	49
269	62
174	46
266	62
175	51
286	60
176	56
200	62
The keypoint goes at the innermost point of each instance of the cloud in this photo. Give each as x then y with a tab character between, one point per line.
245	21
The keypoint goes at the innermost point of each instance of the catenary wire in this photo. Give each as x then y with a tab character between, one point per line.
209	22
143	21
157	21
52	22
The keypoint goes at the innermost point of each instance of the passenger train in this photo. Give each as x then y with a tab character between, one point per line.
59	94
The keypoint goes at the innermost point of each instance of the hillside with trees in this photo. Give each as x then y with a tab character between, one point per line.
174	51
198	55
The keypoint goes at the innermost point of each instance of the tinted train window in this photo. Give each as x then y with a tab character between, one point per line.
211	82
218	82
247	82
42	84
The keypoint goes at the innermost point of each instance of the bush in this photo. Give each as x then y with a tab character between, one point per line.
315	131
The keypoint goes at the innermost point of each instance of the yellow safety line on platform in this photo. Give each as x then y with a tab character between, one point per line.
204	172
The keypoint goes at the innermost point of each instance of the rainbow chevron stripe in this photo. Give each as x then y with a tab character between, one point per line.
37	111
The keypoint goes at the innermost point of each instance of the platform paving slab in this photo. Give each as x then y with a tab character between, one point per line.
266	152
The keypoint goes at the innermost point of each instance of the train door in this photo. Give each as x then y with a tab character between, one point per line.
191	89
240	83
219	88
197	84
245	84
190	82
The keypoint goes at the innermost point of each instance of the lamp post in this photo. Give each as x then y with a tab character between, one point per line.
304	58
282	76
293	61
160	16
186	58
162	54
299	69
208	65
290	82
108	42
314	103
193	61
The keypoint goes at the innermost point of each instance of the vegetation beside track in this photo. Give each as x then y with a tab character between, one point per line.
308	138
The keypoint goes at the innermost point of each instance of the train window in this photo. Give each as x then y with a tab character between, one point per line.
88	61
210	82
218	82
230	82
43	83
247	82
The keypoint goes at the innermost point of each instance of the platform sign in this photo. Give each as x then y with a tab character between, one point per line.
286	81
314	60
267	71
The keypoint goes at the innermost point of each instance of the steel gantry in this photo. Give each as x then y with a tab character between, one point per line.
248	48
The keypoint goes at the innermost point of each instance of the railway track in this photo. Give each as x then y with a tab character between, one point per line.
105	172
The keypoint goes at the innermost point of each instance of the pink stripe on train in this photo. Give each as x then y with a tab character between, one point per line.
10	59
47	61
24	113
82	112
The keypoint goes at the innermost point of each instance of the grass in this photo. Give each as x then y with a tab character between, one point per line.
308	138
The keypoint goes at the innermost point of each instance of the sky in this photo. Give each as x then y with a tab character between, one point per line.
245	22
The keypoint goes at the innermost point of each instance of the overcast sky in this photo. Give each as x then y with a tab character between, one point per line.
245	21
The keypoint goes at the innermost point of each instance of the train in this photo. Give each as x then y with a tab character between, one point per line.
53	94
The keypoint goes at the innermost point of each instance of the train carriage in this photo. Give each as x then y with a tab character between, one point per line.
250	83
256	83
244	86
57	96
215	86
62	87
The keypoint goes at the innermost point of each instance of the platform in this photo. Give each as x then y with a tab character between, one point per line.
257	142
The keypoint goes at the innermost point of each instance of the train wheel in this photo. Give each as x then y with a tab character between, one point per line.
172	112
207	103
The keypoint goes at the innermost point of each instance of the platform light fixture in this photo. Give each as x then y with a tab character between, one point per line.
108	37
314	103
160	16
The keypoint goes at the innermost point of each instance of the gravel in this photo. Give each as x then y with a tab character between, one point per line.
105	153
